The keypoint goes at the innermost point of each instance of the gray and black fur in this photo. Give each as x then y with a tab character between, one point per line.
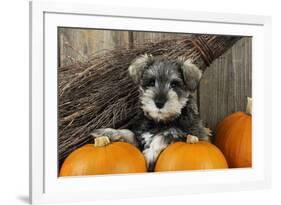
169	110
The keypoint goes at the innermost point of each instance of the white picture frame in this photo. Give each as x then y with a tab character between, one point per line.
46	187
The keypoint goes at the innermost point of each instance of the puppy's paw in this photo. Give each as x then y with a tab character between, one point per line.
191	139
115	135
208	131
107	132
172	134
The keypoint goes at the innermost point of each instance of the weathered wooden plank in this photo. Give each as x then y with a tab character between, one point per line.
79	44
145	37
226	83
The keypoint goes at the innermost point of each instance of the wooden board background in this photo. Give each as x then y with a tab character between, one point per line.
226	83
223	88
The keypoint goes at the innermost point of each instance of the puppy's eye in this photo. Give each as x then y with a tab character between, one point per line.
151	83
174	84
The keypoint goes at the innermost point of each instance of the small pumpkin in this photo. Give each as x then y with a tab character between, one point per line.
234	137
104	157
185	156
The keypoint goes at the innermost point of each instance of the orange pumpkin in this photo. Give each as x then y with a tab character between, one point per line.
104	157
234	138
185	156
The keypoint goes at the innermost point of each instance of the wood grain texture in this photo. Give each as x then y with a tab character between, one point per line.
226	83
80	44
144	37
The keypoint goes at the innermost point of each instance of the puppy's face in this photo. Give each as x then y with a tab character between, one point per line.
163	92
164	85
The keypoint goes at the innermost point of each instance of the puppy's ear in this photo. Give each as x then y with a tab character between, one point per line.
138	66
191	74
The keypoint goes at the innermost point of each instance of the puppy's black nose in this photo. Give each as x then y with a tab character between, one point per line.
159	103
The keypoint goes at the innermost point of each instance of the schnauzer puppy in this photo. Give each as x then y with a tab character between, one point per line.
169	111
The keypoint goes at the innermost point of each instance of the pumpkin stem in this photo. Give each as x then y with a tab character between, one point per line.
249	106
101	141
